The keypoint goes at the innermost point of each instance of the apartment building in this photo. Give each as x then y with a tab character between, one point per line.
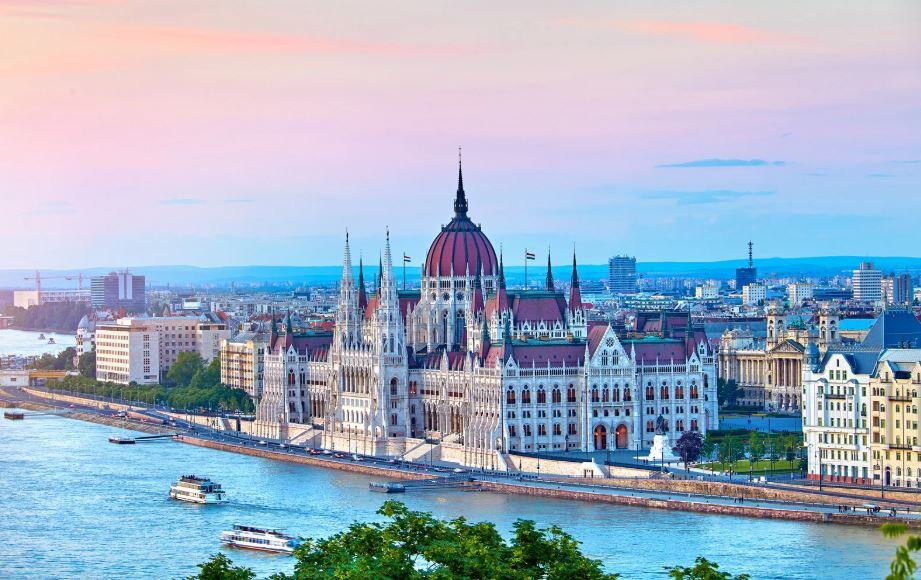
142	350
242	362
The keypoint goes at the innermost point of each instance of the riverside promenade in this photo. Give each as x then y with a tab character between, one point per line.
682	495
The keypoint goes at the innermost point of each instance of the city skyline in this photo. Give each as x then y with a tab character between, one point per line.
144	134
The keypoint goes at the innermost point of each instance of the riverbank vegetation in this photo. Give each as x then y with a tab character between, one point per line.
63	361
739	450
416	545
52	316
202	390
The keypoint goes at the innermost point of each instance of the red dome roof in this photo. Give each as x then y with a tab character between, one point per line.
461	247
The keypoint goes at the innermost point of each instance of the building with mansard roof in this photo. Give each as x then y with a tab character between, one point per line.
469	370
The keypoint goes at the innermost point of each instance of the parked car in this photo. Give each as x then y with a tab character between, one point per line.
263	442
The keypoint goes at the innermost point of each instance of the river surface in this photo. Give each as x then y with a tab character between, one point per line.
73	505
27	343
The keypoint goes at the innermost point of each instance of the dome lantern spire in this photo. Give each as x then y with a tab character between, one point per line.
460	202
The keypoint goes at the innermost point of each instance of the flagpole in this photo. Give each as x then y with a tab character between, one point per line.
525	268
404	271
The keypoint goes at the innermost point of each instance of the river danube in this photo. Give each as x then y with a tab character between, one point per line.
73	505
28	343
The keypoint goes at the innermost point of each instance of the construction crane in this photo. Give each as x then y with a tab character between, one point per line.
38	279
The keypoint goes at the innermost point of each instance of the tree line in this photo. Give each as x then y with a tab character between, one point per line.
191	384
51	316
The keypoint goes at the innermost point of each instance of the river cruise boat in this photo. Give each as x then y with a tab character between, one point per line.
195	489
264	539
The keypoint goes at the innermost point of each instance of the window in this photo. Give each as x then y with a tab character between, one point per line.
571	394
595	394
557	395
650	427
541	395
526	395
510	396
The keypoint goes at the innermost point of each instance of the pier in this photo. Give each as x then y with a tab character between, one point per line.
125	440
464	483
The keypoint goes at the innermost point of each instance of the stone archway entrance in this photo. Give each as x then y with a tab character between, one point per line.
620	436
601	437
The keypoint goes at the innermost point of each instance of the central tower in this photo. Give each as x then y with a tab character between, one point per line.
460	262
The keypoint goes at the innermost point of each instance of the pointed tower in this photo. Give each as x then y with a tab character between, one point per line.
347	317
575	314
550	287
460	202
389	320
362	294
289	331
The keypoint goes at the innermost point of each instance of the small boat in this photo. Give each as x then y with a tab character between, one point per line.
264	539
14	415
196	489
41	337
51	340
118	440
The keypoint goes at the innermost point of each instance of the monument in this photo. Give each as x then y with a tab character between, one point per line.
661	450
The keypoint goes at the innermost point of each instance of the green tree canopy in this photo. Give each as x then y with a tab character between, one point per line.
183	370
220	567
702	569
416	545
86	364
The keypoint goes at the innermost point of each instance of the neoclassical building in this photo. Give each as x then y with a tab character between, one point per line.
472	370
769	372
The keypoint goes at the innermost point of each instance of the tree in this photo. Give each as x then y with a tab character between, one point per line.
709	446
703	569
689	446
755	449
416	545
903	565
183	370
727	392
220	567
725	452
86	364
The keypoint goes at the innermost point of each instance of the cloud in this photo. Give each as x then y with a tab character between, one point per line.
239	200
182	201
880	175
705	196
725	163
703	32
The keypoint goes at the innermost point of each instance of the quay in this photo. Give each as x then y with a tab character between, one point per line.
682	495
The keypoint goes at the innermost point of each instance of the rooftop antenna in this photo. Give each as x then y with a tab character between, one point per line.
750	262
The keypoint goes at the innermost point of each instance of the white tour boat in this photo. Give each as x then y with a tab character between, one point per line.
265	539
197	490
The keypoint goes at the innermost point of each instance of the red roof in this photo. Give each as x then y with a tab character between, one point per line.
595	334
543	306
461	248
526	354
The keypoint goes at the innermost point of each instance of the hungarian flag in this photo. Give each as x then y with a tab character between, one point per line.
529	255
406	259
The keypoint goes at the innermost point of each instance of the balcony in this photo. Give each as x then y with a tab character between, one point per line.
834	396
905	398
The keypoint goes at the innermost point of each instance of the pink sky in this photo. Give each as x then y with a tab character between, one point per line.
222	133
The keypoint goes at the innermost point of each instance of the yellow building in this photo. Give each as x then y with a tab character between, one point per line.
894	419
242	362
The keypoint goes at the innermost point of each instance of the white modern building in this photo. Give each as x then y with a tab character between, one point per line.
798	292
142	350
29	298
867	283
754	294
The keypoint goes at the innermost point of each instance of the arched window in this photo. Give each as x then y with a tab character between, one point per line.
595	394
557	395
650	393
627	395
510	396
679	392
605	394
615	394
663	392
571	394
526	395
541	395
291	376
393	386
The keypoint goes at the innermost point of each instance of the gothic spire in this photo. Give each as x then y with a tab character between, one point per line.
380	274
274	322
288	327
362	294
501	271
575	292
460	202
549	272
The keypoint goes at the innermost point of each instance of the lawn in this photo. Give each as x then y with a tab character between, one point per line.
761	466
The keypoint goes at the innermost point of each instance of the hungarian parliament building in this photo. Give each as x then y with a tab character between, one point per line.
473	370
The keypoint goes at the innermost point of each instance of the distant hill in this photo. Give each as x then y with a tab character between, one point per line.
242	276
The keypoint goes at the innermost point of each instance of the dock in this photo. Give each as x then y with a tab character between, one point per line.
464	483
126	440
